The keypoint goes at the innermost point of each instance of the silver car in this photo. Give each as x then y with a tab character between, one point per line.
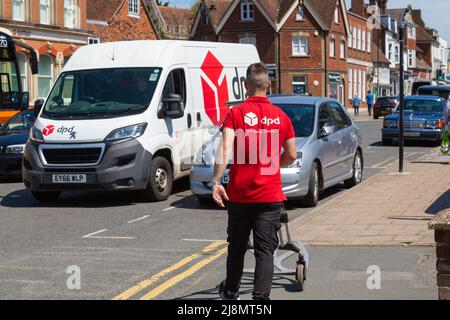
328	148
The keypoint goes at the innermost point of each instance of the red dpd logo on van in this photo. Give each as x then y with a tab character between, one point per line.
215	89
48	130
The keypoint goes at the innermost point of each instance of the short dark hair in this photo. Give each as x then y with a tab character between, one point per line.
258	75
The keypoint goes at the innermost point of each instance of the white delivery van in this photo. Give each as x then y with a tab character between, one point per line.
132	115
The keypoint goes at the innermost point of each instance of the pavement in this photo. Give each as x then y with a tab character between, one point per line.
120	247
388	209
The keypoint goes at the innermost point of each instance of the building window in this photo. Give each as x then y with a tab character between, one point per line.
411	32
300	15
359	83
247	11
300	46
397	54
355	33
359	39
248	40
336	15
70	14
349	40
350	84
369	42
364	92
45	75
342	49
133	8
19	10
45	11
299	85
355	75
93	40
332	48
390	51
363	44
411	58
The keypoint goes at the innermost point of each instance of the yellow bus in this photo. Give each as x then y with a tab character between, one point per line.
12	97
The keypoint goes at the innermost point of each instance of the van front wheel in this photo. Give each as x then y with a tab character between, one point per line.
160	182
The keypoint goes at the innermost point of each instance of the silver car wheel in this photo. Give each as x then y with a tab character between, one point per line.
316	184
161	179
358	169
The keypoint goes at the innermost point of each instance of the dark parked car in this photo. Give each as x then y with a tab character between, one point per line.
423	120
13	137
384	106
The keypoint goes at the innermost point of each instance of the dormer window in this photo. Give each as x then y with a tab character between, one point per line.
205	18
300	15
411	32
247	11
336	15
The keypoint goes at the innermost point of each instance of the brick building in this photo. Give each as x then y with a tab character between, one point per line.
303	42
54	28
360	57
119	20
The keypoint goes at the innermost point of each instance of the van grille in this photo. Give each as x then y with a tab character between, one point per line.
413	124
72	156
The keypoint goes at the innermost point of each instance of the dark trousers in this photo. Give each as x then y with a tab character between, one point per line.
370	107
356	110
264	220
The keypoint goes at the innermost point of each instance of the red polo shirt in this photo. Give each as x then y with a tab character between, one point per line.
261	130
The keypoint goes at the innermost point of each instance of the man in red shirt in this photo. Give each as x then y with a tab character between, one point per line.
257	130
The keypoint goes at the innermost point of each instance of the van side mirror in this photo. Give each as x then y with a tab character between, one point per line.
25	101
327	130
172	107
38	106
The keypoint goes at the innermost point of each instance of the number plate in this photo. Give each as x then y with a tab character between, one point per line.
412	134
69	178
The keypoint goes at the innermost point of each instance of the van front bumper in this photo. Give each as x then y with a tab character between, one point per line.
123	166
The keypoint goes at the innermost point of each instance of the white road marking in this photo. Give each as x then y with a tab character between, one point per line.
203	240
117	238
139	219
94	233
171	208
379	165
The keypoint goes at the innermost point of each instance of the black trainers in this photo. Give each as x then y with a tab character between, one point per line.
227	295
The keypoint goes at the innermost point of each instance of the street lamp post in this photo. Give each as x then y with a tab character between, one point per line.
401	141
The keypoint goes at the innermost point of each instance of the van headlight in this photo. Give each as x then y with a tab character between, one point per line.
130	132
299	162
36	135
15	149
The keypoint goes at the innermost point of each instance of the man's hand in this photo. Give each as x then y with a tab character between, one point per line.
220	194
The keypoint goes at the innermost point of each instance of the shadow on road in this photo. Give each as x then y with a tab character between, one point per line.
89	199
442	203
279	282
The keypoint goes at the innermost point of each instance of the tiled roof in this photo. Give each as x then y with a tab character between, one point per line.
397	14
325	9
102	10
422	35
176	16
378	55
217	9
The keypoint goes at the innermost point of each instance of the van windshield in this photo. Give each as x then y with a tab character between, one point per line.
102	93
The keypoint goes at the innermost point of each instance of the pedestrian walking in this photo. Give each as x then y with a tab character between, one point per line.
254	193
370	102
356	104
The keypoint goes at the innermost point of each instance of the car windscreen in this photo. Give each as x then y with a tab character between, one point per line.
102	93
20	122
423	106
443	93
302	117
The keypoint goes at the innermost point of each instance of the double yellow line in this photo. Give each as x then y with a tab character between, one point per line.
213	253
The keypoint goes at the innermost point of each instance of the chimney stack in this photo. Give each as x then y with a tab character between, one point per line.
358	7
382	4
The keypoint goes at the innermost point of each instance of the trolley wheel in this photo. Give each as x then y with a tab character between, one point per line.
300	277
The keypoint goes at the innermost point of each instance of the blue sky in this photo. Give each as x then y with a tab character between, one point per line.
435	12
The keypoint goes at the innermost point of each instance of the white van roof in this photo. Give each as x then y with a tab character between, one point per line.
159	53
